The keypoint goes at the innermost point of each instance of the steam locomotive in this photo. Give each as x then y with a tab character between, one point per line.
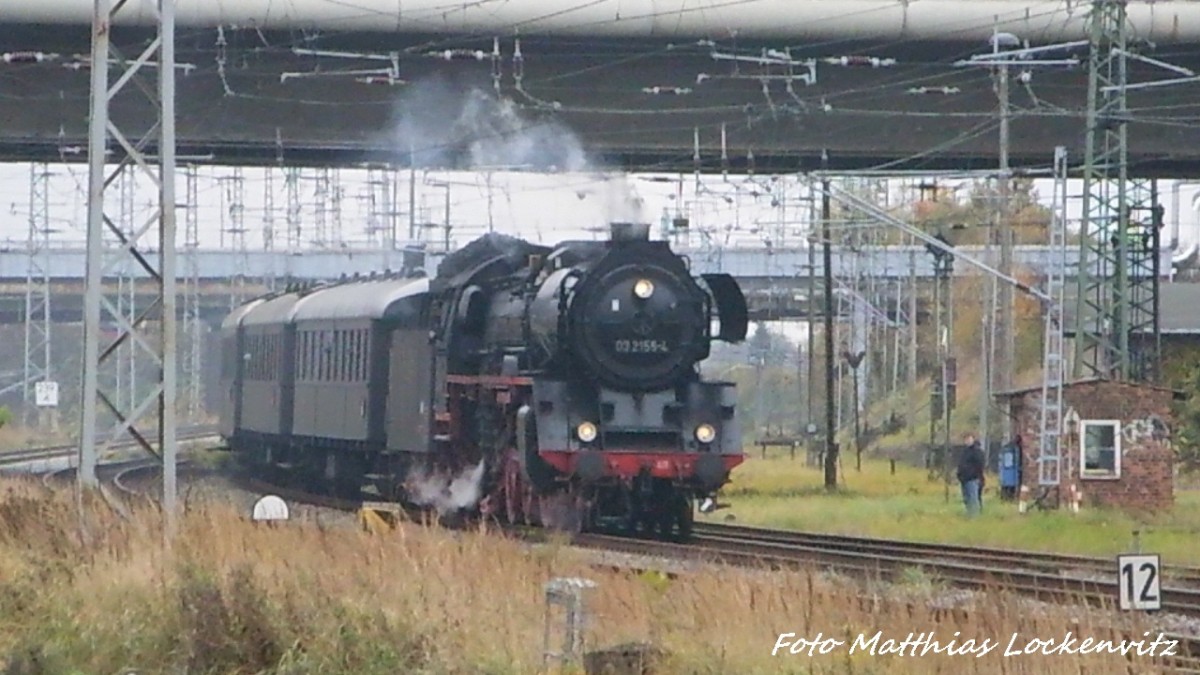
555	386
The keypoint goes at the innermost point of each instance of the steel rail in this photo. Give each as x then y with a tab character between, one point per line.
69	450
1025	559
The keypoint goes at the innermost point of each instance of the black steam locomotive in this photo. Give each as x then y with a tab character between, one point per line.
554	386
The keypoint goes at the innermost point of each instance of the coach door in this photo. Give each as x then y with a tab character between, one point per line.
409	381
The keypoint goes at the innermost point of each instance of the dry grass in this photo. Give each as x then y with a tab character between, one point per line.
234	598
780	492
19	438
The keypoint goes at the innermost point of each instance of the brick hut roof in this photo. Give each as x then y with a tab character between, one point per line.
1177	394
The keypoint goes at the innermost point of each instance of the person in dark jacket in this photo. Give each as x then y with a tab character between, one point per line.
970	474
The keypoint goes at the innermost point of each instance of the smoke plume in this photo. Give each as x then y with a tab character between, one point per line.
465	127
620	202
446	493
451	125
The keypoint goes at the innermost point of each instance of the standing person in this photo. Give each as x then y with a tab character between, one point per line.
970	474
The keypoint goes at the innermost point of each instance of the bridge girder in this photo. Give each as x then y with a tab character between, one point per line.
236	107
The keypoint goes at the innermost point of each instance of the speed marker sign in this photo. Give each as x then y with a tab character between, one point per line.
1139	581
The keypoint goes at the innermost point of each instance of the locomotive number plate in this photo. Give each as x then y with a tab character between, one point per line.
641	347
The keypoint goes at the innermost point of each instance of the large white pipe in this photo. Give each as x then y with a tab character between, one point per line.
969	20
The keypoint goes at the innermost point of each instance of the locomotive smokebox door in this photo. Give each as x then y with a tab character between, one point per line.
731	306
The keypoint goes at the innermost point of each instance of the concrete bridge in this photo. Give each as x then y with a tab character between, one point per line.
777	282
662	86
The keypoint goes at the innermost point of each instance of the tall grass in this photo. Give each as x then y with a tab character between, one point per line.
781	492
96	594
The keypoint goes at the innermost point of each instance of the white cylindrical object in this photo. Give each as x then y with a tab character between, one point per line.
1039	21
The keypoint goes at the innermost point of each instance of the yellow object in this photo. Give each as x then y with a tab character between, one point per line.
378	517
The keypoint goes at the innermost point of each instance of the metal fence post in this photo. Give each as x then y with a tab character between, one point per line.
567	593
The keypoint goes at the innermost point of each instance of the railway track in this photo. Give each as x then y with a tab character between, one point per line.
1066	565
52	452
776	550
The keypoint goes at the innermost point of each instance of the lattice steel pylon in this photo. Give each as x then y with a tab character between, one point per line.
193	328
129	153
292	186
233	211
1145	339
1049	460
38	364
1114	298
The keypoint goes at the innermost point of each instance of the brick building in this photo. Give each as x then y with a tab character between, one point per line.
1118	453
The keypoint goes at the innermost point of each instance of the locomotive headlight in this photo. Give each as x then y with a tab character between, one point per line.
643	288
705	433
586	432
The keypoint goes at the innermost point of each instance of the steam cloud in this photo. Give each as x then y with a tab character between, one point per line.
447	494
463	127
467	128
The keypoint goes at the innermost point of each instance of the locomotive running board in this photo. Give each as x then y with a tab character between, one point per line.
731	306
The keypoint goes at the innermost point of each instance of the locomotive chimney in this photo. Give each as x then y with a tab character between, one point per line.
623	232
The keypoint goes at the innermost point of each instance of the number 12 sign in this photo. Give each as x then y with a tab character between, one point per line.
1139	581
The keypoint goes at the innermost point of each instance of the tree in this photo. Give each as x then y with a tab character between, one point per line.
1186	439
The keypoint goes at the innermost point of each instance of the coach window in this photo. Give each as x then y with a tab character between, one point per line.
326	354
335	355
255	357
320	337
302	357
362	355
316	354
358	355
1100	448
260	357
310	356
342	355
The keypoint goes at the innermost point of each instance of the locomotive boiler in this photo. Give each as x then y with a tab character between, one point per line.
550	385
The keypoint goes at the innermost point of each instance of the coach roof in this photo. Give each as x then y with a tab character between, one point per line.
231	320
275	310
358	300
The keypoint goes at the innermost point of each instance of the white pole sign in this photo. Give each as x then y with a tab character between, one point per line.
1140	582
45	394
